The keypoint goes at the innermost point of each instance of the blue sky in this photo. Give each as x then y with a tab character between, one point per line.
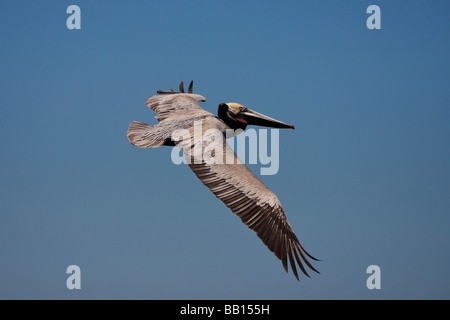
364	179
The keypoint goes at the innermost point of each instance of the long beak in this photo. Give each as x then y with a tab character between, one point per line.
254	118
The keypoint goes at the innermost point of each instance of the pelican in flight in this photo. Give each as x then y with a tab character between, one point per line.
233	183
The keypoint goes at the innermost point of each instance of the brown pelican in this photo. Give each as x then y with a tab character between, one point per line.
234	184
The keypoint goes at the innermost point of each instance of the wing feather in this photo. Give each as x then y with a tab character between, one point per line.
173	105
257	206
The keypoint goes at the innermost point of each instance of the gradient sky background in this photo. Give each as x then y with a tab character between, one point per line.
364	179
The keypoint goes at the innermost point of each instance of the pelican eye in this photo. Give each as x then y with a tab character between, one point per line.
242	109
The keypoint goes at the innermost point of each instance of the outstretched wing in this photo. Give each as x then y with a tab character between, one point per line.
256	205
174	105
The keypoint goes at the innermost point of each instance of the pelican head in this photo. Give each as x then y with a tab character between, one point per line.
237	116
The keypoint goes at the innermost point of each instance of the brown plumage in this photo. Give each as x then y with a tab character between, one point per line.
234	184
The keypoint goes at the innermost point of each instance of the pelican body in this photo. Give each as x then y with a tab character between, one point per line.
234	184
